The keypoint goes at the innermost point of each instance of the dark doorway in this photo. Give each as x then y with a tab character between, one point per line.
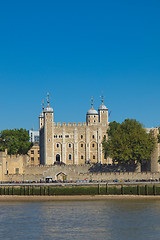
57	158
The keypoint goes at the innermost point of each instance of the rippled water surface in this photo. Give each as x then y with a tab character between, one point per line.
110	219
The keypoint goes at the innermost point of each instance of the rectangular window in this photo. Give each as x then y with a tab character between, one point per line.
32	151
67	136
70	157
17	170
93	157
32	158
38	151
82	145
81	156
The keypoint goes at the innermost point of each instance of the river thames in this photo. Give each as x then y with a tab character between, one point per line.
106	219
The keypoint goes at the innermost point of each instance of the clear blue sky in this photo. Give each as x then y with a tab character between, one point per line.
75	50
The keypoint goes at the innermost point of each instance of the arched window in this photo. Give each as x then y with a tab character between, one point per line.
57	145
57	158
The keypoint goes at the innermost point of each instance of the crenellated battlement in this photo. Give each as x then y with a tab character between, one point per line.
74	124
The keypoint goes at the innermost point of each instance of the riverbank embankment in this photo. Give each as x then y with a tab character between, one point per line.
4	198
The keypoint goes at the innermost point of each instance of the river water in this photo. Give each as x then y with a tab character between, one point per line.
81	220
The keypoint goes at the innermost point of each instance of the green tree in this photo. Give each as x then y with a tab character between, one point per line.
158	136
128	142
15	140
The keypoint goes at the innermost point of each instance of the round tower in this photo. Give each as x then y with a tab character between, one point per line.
48	134
41	118
92	115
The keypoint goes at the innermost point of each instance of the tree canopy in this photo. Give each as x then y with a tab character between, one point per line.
158	136
128	142
16	141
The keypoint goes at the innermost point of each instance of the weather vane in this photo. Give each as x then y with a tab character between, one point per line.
48	97
42	104
102	97
92	101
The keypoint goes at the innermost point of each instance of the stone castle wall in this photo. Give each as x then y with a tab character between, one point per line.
74	173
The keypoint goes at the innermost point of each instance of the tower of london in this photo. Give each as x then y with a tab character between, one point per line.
76	143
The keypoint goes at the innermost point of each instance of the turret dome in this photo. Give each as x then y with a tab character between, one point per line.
41	115
103	107
92	111
48	109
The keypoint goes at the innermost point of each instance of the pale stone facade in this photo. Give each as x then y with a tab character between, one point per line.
73	143
34	154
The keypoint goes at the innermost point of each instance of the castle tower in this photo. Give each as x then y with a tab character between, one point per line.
92	115
41	118
48	134
103	114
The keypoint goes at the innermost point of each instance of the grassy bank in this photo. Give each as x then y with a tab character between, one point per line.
81	190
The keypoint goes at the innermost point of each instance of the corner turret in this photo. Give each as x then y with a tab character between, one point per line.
92	115
103	113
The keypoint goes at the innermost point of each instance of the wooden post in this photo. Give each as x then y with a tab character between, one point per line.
146	189
122	189
98	188
154	189
138	190
107	188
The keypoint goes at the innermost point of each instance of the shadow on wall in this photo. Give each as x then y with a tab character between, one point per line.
97	167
